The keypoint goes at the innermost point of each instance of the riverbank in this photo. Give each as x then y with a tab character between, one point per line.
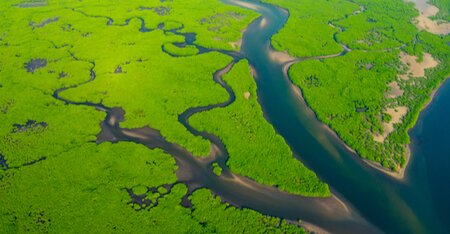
334	163
415	70
399	175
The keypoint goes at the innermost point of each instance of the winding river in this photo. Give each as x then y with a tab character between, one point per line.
365	201
416	204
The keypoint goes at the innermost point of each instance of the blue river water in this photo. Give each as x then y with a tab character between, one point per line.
417	204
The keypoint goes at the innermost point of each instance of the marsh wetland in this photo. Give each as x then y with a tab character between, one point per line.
224	116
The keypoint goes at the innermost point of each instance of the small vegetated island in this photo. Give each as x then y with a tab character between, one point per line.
65	65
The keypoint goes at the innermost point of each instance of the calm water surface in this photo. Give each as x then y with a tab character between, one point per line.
417	204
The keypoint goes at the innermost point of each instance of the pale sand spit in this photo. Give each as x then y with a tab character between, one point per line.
281	57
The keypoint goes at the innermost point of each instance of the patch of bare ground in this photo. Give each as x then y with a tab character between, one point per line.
236	44
416	69
247	95
423	22
394	90
397	114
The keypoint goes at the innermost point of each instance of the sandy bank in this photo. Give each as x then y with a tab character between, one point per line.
249	5
400	174
311	228
281	56
236	44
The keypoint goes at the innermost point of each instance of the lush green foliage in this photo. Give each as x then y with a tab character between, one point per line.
25	96
444	9
84	191
417	91
187	50
219	218
156	91
337	88
254	148
349	93
53	177
217	169
382	25
307	32
75	28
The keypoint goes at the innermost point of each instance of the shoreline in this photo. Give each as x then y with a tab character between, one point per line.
310	228
399	175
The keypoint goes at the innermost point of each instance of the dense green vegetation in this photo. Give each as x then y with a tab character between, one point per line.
219	218
54	178
77	32
307	32
25	96
444	9
258	152
382	25
217	169
187	50
417	91
349	93
84	190
336	88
